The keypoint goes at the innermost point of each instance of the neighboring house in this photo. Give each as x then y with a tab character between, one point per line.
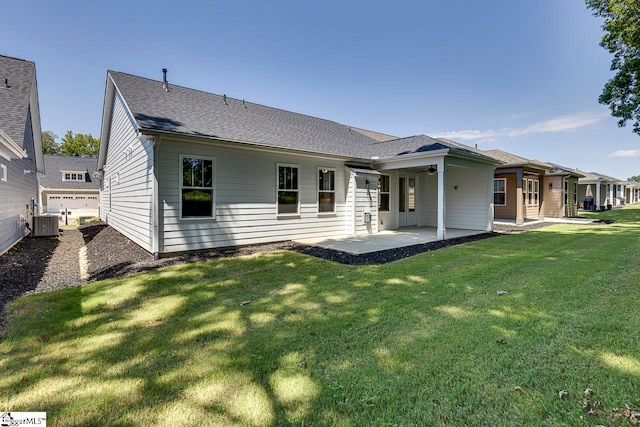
185	170
603	188
632	190
20	149
69	189
560	192
518	187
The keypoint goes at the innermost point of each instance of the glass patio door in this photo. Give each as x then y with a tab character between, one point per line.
407	216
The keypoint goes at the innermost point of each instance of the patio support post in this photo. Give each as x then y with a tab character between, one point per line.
441	231
611	194
598	196
519	199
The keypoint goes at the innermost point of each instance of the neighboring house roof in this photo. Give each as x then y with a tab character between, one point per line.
18	98
57	165
511	160
593	177
187	111
378	136
563	171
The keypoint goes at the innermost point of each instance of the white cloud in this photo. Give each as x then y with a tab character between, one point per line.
465	135
559	124
625	153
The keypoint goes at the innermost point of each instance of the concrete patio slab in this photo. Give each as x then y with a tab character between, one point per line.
386	239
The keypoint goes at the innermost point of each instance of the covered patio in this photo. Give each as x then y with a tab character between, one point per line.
386	239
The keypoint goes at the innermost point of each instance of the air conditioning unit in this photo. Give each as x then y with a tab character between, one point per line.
45	225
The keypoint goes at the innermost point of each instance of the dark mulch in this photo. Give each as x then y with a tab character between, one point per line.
389	255
22	268
110	254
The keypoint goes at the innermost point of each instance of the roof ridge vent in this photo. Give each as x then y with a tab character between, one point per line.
165	83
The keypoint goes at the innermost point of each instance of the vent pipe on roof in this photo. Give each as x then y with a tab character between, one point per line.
224	99
165	83
243	104
6	83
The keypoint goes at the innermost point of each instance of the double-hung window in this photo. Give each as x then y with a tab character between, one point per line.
536	192
383	196
73	176
326	190
288	200
196	187
500	191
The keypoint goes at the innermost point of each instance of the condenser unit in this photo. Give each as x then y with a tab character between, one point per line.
45	225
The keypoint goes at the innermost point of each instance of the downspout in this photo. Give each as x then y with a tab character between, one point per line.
155	243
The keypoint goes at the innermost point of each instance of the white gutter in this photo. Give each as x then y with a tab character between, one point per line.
8	147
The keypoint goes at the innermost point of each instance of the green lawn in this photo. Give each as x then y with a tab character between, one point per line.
421	341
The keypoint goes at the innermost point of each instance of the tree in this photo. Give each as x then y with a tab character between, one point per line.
635	178
80	145
621	38
49	144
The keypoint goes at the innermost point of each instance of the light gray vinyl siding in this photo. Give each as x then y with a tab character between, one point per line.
366	201
430	207
245	195
129	172
17	192
467	206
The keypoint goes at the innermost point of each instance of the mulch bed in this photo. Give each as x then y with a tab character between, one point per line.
111	254
22	268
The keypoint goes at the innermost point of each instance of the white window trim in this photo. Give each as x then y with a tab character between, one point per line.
380	192
213	188
505	191
287	215
3	173
330	213
80	176
536	192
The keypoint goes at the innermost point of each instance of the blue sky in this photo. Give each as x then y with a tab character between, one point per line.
521	76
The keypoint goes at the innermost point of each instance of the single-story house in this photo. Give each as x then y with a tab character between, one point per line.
560	192
20	149
603	189
632	193
69	189
518	187
184	170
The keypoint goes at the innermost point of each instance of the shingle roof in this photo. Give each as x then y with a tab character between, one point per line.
594	176
192	112
14	100
513	160
561	170
54	165
420	144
